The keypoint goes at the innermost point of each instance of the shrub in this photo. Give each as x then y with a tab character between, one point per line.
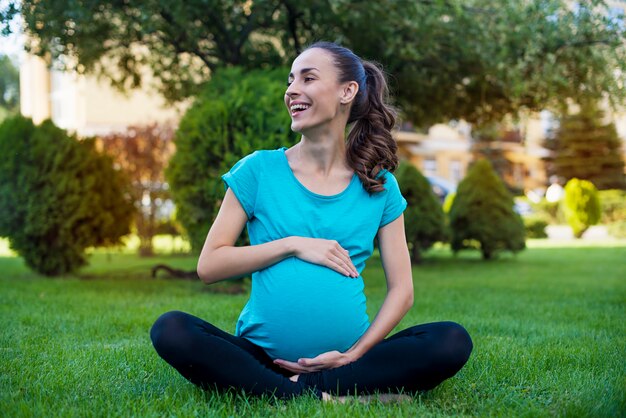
535	226
58	196
424	218
482	214
613	203
237	113
581	205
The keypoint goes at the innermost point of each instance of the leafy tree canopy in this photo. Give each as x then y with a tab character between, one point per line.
449	59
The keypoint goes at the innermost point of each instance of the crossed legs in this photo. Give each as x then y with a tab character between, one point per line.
417	358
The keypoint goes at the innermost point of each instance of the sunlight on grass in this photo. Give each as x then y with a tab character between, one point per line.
163	244
5	251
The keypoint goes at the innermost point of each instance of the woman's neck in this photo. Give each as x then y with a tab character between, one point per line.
324	155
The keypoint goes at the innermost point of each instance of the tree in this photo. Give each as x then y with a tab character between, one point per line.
471	59
482	214
58	196
586	147
424	218
581	205
236	114
143	153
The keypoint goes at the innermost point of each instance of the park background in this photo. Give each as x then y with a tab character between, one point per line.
174	94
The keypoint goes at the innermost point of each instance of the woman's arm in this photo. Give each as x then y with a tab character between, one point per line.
220	259
399	299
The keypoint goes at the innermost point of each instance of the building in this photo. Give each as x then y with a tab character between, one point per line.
84	104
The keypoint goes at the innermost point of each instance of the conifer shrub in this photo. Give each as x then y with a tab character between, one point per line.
482	214
424	220
237	113
58	196
581	205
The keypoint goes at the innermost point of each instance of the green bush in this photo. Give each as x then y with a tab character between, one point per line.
581	205
424	220
482	214
535	226
237	113
58	196
613	203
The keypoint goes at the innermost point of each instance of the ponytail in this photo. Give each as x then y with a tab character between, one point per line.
370	147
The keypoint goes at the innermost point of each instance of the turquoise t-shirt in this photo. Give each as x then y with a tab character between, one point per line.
296	308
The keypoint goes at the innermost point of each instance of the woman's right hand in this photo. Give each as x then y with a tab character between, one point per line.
326	253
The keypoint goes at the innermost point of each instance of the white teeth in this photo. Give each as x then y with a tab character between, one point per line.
299	107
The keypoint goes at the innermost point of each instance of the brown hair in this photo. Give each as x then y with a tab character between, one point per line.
370	145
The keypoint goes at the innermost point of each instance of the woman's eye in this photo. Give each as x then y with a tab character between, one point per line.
308	78
288	83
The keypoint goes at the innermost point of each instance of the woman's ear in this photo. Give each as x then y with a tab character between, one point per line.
349	91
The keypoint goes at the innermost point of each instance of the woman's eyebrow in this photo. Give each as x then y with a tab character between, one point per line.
305	70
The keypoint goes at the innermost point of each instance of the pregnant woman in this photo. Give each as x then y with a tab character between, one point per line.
312	213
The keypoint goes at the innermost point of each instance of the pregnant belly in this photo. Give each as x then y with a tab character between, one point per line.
298	309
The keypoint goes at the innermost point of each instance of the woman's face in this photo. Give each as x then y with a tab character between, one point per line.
313	97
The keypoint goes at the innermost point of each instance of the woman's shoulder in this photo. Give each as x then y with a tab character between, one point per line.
266	153
260	157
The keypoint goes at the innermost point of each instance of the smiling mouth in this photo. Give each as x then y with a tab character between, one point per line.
298	108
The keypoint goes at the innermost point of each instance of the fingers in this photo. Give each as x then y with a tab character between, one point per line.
294	367
342	259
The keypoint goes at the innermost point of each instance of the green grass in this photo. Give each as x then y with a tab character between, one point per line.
548	329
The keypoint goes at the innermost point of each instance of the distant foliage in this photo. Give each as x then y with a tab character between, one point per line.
482	214
9	85
58	196
535	226
613	203
143	153
617	229
447	203
424	220
550	211
581	205
237	113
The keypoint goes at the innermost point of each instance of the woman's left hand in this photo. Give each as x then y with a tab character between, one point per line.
328	360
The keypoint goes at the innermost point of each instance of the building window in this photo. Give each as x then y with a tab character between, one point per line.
455	171
430	167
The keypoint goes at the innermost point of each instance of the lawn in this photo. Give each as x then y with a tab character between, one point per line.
548	329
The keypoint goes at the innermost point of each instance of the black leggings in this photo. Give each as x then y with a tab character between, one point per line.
415	359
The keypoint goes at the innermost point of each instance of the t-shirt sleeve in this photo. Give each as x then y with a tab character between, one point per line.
242	178
395	203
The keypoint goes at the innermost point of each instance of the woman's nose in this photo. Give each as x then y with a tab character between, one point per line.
292	90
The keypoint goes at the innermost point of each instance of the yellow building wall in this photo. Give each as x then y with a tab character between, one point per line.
86	105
